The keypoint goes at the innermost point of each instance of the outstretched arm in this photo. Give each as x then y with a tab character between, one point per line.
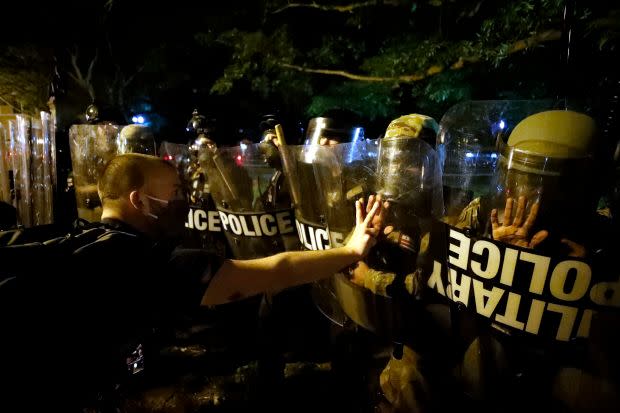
237	279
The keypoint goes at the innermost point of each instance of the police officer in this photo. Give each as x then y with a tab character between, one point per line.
408	179
544	201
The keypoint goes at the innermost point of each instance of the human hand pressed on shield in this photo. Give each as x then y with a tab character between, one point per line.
369	223
517	231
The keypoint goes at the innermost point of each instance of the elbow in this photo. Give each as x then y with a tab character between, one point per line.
221	290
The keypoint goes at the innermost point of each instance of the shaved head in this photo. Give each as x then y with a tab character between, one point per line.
126	173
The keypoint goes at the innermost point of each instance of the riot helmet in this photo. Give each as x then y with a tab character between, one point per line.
330	131
199	124
408	168
545	167
136	139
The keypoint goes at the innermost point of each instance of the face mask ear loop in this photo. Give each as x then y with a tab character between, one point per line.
163	201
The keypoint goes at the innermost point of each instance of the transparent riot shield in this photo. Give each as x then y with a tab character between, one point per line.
252	198
92	147
525	264
27	167
346	173
5	159
136	139
203	225
311	221
20	136
41	172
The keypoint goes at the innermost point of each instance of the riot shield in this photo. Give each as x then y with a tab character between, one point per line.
345	173
136	139
27	174
41	172
252	198
310	220
525	261
5	159
92	146
204	229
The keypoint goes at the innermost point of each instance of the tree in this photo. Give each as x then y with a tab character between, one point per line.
382	58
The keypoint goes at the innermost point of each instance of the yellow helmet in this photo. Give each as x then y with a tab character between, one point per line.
411	126
555	134
543	143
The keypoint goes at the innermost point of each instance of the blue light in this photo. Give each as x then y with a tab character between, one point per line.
494	155
502	124
134	119
469	155
140	119
357	135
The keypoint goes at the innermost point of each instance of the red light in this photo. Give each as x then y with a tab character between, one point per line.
167	157
239	159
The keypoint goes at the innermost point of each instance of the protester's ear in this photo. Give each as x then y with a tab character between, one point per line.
135	200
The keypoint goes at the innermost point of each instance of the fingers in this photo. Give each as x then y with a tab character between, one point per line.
372	231
381	217
388	230
520	212
371	200
372	213
531	218
576	250
508	213
539	237
359	213
494	221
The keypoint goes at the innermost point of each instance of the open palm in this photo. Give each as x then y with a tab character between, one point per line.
517	231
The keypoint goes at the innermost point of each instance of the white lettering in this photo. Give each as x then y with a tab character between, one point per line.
235	225
256	225
189	223
434	281
300	233
244	227
458	292
336	238
583	277
322	239
224	219
214	221
512	310
586	322
535	317
508	266
492	264
569	314
285	222
268	230
200	219
492	298
539	274
461	250
312	239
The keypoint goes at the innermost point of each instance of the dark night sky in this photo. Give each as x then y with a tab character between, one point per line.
137	28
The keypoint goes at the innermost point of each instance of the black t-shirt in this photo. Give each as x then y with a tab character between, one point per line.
113	297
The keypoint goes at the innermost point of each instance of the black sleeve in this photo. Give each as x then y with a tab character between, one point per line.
189	273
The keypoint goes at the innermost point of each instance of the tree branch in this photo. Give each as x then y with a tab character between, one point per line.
349	8
519	45
84	82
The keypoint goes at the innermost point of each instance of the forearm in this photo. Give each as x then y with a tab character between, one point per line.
239	279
